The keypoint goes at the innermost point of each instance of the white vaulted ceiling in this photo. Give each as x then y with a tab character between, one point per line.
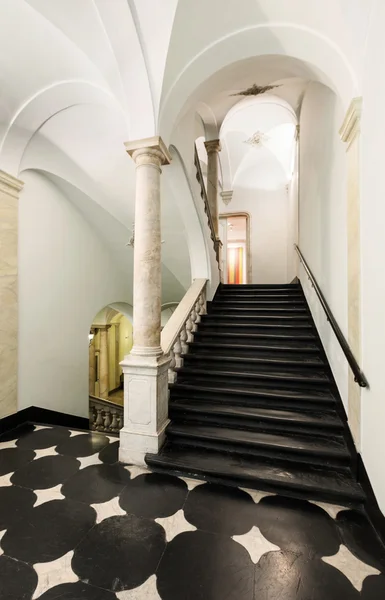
78	78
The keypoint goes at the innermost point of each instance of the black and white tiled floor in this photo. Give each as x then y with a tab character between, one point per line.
76	525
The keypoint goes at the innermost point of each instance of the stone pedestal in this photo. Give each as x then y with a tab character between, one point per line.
145	407
145	369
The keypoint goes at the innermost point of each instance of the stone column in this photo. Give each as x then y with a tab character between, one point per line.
145	368
10	188
92	367
350	133
103	362
213	147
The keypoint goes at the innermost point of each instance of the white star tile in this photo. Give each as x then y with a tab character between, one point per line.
134	470
256	494
353	568
45	452
10	444
6	479
54	573
53	493
38	427
112	438
255	544
1	535
87	461
331	509
73	433
108	509
192	483
175	524
147	591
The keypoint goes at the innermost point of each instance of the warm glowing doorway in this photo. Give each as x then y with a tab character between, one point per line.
234	234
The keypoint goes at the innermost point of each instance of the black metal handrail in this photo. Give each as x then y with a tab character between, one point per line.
359	377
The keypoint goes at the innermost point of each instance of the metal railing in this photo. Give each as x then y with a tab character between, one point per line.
359	377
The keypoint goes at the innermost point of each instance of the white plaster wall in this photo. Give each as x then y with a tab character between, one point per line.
373	254
268	210
322	217
66	276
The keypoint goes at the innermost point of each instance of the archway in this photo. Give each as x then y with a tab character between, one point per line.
110	340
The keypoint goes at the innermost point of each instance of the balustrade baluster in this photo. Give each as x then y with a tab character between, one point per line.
171	369
107	419
114	422
99	418
183	340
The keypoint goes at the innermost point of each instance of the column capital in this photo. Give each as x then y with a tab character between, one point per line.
149	151
10	185
213	146
227	196
351	126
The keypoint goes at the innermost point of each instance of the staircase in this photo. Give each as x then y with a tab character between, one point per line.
255	403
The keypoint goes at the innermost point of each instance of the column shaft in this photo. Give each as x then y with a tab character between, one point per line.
145	368
213	147
103	363
147	257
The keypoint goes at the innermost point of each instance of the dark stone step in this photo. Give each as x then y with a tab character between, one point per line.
234	326
272	346
255	287
265	320
252	338
246	377
252	417
264	352
249	308
250	363
279	302
256	396
314	448
218	467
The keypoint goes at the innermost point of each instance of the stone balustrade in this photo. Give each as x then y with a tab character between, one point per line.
178	333
105	416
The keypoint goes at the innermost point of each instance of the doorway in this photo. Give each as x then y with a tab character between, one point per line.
234	233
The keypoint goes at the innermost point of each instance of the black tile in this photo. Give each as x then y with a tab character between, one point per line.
48	531
373	588
289	576
220	509
43	438
201	566
83	445
154	495
110	454
18	581
359	536
120	553
297	526
14	503
96	484
17	432
14	458
46	472
77	591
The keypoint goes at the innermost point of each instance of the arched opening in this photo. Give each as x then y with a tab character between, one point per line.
110	340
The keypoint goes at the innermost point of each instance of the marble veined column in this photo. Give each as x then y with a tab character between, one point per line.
10	188
213	147
145	368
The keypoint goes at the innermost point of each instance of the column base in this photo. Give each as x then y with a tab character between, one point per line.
145	406
134	445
